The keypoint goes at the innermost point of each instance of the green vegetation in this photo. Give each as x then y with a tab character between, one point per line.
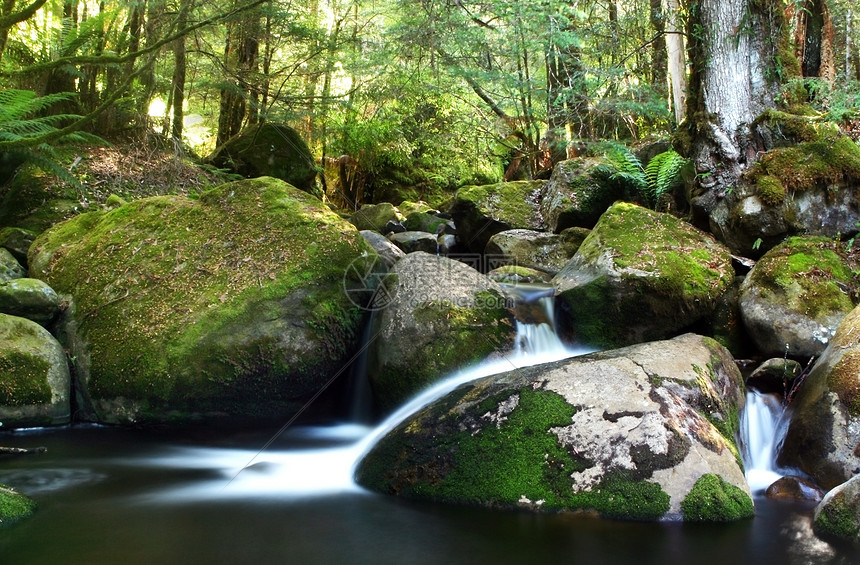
837	519
24	379
712	499
14	506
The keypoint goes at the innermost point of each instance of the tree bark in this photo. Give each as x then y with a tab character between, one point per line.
658	48
813	39
677	59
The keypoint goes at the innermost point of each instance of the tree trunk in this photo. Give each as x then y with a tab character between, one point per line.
179	68
813	39
658	49
677	59
240	59
735	78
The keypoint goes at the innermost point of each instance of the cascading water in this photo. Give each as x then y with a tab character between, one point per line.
329	470
764	422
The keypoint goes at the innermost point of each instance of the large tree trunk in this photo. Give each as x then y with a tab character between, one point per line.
240	58
735	77
813	39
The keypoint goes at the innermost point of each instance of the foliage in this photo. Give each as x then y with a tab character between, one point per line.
651	181
23	116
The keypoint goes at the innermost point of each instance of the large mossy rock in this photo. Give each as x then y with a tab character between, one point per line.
577	194
641	275
35	385
230	305
641	433
545	252
374	217
804	183
14	506
269	150
824	433
440	316
482	211
796	295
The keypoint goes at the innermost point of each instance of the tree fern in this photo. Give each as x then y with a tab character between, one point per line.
622	165
23	118
662	172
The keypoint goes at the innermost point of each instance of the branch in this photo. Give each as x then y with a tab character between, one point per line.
9	20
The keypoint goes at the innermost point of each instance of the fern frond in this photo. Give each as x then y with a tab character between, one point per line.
623	165
662	172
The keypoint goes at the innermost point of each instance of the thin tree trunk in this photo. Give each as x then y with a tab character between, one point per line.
677	59
658	49
179	70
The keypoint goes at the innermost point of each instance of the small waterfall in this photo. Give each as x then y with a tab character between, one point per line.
764	423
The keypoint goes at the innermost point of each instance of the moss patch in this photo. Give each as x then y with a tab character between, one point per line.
837	519
14	506
832	159
23	379
507	202
712	499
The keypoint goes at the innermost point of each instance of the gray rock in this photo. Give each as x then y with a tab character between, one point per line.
824	432
388	252
17	241
630	433
796	295
29	298
10	268
577	194
36	384
838	514
412	241
374	217
532	249
441	315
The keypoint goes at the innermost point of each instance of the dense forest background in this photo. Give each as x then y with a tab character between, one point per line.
432	94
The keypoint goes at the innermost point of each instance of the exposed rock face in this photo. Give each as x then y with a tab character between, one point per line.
29	298
482	211
442	315
232	305
35	384
824	434
838	514
577	194
796	295
531	249
10	268
270	150
642	275
374	216
388	252
412	241
643	433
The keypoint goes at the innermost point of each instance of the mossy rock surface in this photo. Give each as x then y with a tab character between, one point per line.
33	202
35	385
17	241
714	500
577	194
837	516
271	150
374	216
824	432
10	268
546	252
230	305
14	506
29	298
482	211
797	294
620	433
641	275
442	316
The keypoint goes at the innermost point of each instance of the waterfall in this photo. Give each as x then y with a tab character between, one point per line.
329	470
764	423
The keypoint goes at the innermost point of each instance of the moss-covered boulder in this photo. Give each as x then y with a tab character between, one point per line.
429	222
807	187
34	376
824	432
10	268
627	433
641	275
546	252
232	305
577	194
374	217
441	316
17	241
29	298
480	212
837	516
270	150
796	295
14	506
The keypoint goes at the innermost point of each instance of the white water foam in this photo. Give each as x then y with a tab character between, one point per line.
763	426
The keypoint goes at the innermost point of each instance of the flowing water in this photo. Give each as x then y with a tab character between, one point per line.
764	422
129	496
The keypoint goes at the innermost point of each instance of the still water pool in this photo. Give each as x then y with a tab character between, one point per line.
119	496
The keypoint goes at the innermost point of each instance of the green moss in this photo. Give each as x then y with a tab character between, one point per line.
838	520
23	379
770	190
844	380
830	160
712	499
14	506
184	279
507	202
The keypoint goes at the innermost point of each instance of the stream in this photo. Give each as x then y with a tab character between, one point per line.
127	496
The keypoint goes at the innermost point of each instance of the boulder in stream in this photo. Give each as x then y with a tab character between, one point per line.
14	506
229	306
641	433
838	514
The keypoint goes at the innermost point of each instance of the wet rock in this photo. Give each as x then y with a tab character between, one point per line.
17	241
794	488
29	298
838	514
542	251
645	433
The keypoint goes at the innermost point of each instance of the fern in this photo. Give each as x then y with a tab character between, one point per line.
622	165
23	120
661	173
